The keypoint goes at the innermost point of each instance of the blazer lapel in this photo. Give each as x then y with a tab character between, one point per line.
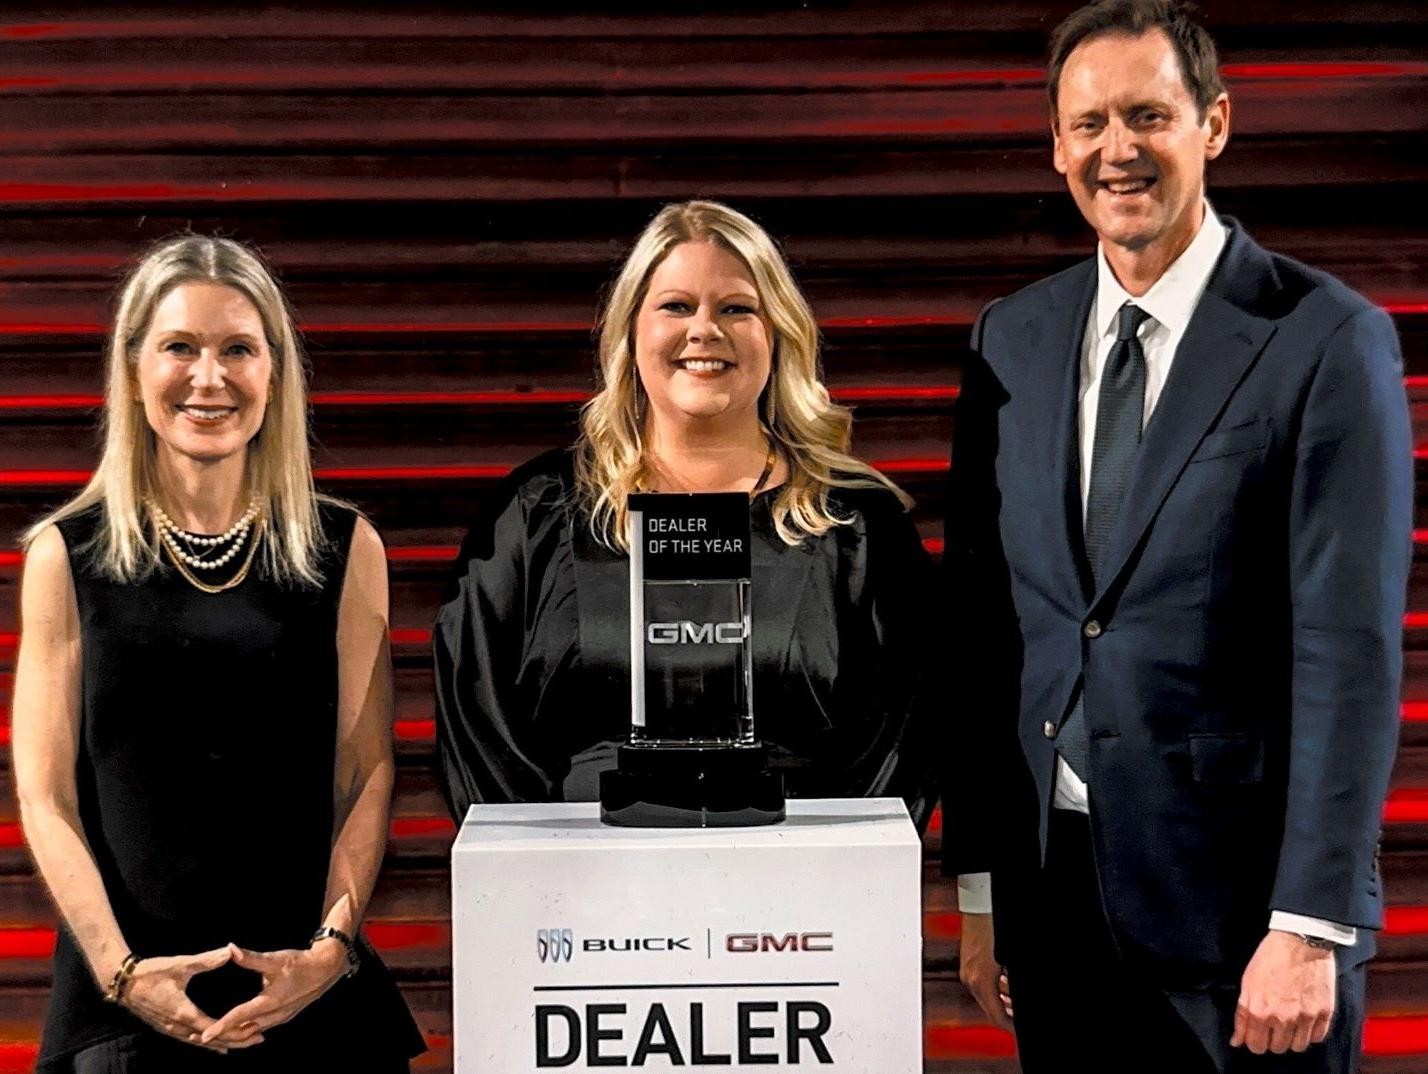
1220	345
1052	349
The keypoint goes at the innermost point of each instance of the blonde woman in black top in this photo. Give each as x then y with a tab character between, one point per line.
202	707
709	381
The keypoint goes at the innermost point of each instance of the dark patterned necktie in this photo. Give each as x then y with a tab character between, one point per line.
1120	412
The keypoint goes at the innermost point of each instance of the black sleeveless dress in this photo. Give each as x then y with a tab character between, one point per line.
205	769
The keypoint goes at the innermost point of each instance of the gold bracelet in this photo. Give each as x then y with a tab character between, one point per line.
122	976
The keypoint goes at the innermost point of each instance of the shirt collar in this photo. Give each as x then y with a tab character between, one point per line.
1172	298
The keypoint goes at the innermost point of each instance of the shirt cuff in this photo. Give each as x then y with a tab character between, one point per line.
974	893
1344	935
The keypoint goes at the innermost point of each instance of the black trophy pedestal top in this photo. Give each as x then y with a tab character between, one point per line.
691	787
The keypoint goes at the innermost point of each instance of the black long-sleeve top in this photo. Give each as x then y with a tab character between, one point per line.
531	651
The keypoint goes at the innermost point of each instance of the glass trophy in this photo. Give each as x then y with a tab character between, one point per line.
692	758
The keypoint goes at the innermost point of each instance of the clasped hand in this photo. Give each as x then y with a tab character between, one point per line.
292	979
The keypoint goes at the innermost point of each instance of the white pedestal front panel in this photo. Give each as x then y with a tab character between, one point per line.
578	946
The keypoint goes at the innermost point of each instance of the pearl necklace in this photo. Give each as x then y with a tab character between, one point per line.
230	542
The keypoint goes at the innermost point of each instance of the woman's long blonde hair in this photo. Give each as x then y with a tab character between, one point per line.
279	467
812	432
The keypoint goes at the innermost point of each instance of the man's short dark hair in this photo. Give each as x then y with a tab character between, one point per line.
1199	59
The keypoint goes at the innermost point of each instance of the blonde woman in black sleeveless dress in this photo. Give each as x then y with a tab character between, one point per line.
202	708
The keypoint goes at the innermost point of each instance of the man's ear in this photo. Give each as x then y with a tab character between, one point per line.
1217	120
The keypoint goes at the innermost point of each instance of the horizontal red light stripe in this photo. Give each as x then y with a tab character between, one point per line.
405	935
1396	1035
1405	921
892	392
949	1041
429	398
431	327
1403	308
50	402
942	926
438	1042
934	545
911	466
11	558
14	478
1010	75
417	553
415	827
1416	619
1324	70
411	637
1420	536
1384	1035
1414	711
24	30
413	473
896	322
32	192
1407	805
26	942
51	328
39	942
414	730
402	828
18	1057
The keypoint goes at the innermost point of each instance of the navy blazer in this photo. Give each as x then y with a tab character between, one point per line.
1241	655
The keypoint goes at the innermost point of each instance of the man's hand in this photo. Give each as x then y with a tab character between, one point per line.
979	970
1286	996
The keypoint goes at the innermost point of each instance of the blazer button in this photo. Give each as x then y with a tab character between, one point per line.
1092	629
1049	729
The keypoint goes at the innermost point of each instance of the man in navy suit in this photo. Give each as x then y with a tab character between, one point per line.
1179	534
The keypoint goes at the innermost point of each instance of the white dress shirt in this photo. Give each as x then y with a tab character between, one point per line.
1170	302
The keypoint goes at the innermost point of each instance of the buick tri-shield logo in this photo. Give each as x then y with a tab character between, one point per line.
554	945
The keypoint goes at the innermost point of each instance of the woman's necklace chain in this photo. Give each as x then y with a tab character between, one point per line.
767	471
195	551
770	461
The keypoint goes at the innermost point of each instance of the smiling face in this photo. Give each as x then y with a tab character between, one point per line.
204	373
1131	143
703	344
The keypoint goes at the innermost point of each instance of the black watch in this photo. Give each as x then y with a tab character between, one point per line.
1320	943
327	932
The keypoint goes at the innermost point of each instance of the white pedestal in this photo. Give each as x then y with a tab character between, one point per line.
796	946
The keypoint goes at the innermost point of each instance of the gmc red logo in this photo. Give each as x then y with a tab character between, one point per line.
750	942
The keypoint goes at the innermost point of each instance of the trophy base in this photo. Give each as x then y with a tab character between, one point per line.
691	787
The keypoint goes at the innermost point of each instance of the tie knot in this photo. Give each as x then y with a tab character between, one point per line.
1129	318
